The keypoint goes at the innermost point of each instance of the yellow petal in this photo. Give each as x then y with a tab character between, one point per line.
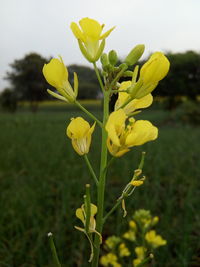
55	73
155	69
142	131
91	28
80	215
77	32
77	128
115	125
143	102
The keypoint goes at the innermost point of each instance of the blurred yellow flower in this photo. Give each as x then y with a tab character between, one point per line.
136	183
80	132
140	252
155	240
121	137
110	259
89	36
56	74
123	250
134	104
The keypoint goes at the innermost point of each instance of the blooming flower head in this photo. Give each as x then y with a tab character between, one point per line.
123	250
140	252
89	36
121	137
80	132
134	104
56	75
155	240
153	71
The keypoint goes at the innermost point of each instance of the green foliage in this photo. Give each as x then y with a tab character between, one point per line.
183	78
88	84
8	100
40	190
27	79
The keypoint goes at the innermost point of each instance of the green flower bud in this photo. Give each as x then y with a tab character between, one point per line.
112	56
104	60
135	54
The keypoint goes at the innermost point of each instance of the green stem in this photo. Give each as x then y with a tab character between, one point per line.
98	76
88	113
91	169
53	250
117	77
112	210
101	185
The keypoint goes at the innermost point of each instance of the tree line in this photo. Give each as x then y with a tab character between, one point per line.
28	84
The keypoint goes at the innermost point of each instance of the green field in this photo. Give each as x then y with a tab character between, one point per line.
42	183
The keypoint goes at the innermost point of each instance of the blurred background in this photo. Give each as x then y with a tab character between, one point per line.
42	179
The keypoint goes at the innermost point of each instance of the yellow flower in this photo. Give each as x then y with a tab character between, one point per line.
110	259
130	235
89	36
56	75
112	241
140	252
134	104
123	250
81	214
80	132
155	240
153	71
121	137
132	225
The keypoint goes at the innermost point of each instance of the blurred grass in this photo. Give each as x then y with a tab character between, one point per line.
42	183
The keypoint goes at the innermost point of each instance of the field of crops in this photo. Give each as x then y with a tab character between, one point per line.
42	183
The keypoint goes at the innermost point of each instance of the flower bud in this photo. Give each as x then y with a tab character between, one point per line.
112	57
104	60
135	54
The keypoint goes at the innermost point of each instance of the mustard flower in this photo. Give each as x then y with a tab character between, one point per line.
154	240
140	252
56	74
89	37
110	260
153	71
121	137
134	104
123	250
80	132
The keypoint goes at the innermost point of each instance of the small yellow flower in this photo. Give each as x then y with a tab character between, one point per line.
140	252
136	262
112	241
132	225
123	250
56	75
130	235
121	137
153	71
134	104
155	240
80	133
110	259
89	36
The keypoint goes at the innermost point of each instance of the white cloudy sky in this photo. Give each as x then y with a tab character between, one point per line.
42	26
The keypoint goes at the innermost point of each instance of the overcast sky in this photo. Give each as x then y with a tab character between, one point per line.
42	26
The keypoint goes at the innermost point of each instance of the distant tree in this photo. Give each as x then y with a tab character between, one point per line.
183	78
8	100
88	84
27	79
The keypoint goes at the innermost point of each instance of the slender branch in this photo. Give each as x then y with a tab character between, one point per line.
88	113
91	169
53	250
112	210
98	76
